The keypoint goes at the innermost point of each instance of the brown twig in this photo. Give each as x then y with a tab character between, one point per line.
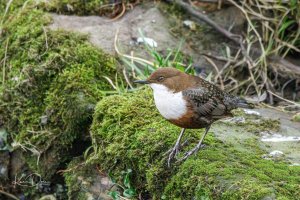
9	195
218	76
121	14
279	97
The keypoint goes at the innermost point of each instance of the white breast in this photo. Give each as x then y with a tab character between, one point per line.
170	105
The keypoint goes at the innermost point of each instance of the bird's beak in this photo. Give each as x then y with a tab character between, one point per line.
141	81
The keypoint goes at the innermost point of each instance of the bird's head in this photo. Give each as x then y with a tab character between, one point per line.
166	77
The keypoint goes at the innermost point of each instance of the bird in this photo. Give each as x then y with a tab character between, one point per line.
189	102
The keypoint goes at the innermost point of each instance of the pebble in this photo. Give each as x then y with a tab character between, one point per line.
251	112
278	138
276	153
149	41
190	24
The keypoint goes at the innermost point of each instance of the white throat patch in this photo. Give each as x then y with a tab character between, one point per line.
170	105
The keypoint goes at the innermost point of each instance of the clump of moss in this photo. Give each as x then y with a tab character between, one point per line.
128	132
296	117
89	7
255	123
74	175
52	81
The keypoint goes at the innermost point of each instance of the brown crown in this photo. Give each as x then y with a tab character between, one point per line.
172	78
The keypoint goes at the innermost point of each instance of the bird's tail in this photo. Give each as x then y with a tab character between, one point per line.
242	103
233	102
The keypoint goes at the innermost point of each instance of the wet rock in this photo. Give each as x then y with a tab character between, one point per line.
235	120
295	164
275	137
151	21
251	112
4	156
102	30
276	153
286	138
4	164
17	165
85	180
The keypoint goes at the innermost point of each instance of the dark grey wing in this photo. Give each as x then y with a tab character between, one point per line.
205	102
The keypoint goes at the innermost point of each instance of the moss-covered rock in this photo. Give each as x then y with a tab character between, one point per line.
86	181
128	133
51	81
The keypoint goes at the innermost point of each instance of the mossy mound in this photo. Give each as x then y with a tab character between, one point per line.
128	133
51	81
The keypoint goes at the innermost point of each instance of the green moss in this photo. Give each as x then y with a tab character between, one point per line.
296	117
73	177
255	123
53	80
128	132
85	181
87	7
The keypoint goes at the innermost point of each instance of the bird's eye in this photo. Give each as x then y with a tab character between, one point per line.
161	78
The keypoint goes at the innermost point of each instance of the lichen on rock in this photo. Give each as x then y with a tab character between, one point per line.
128	133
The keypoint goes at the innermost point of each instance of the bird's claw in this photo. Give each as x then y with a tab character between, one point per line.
191	152
173	154
174	151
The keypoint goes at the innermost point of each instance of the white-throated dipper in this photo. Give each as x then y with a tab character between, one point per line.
189	102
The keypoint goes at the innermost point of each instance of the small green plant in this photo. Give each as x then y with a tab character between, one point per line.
128	190
139	68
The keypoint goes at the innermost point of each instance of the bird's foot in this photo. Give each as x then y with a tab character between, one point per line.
174	151
191	152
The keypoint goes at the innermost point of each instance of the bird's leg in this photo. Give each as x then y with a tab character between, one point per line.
176	147
197	147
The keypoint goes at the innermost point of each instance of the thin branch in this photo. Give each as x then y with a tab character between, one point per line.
9	195
121	14
128	56
279	97
217	70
